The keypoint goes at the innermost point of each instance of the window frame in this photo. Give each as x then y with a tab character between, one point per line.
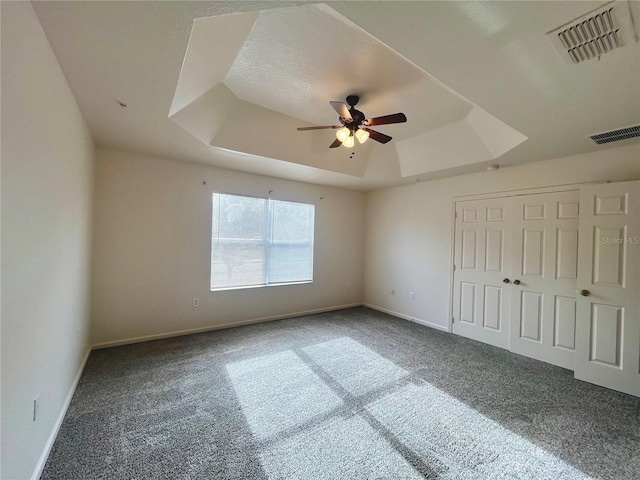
267	240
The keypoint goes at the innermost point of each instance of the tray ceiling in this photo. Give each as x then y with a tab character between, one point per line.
226	83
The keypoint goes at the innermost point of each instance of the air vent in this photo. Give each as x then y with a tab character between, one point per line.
615	135
594	34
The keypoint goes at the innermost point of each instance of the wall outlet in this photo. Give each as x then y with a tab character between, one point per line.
393	291
412	296
196	302
36	408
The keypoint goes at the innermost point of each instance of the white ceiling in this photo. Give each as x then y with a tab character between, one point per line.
474	78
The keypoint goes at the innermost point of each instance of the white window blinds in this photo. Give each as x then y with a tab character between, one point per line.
259	241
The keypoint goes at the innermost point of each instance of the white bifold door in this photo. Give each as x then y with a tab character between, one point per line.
554	276
482	263
544	271
608	328
515	273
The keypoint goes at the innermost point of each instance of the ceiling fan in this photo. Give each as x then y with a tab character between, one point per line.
356	125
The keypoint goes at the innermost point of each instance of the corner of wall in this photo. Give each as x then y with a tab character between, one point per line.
47	190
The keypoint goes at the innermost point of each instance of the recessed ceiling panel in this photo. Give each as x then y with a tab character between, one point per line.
478	137
248	80
222	37
295	59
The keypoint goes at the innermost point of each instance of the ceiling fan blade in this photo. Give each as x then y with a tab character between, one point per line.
343	110
387	119
377	136
302	129
336	143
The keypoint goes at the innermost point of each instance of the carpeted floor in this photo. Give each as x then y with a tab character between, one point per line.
352	394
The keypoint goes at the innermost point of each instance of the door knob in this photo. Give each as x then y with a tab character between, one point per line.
516	282
585	293
506	280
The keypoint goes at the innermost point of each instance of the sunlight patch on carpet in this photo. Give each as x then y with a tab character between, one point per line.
427	420
336	449
355	367
278	392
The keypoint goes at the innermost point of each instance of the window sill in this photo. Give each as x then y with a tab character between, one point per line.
223	289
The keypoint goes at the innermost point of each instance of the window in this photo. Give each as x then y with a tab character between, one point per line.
259	241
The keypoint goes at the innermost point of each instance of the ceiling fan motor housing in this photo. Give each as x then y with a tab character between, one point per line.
357	116
352	100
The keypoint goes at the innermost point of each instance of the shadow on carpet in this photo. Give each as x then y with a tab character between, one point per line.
351	394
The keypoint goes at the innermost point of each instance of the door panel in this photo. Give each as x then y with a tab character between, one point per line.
481	259
606	332
609	257
493	251
532	252
608	314
495	214
568	209
534	211
567	254
531	316
545	237
467	302
564	322
469	249
611	204
469	215
492	317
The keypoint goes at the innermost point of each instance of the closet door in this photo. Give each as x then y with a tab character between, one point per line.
608	321
545	258
481	258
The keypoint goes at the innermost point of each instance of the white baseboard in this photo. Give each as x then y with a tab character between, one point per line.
63	411
178	333
56	426
407	317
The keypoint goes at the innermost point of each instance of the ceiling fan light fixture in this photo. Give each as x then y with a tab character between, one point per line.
342	134
349	142
362	135
356	125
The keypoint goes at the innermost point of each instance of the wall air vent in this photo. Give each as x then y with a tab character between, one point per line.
598	32
615	135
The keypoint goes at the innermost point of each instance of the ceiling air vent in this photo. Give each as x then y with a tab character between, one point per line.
594	34
615	135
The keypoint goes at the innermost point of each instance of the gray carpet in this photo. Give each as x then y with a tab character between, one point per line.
352	394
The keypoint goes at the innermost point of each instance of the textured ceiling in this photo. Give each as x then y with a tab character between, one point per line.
289	62
459	70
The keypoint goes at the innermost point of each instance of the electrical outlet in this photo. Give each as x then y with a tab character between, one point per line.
196	302
393	291
412	296
36	408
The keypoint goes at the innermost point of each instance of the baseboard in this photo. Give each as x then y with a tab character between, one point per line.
56	426
407	317
179	333
63	411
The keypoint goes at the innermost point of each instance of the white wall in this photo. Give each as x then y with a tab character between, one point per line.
409	229
47	180
152	248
